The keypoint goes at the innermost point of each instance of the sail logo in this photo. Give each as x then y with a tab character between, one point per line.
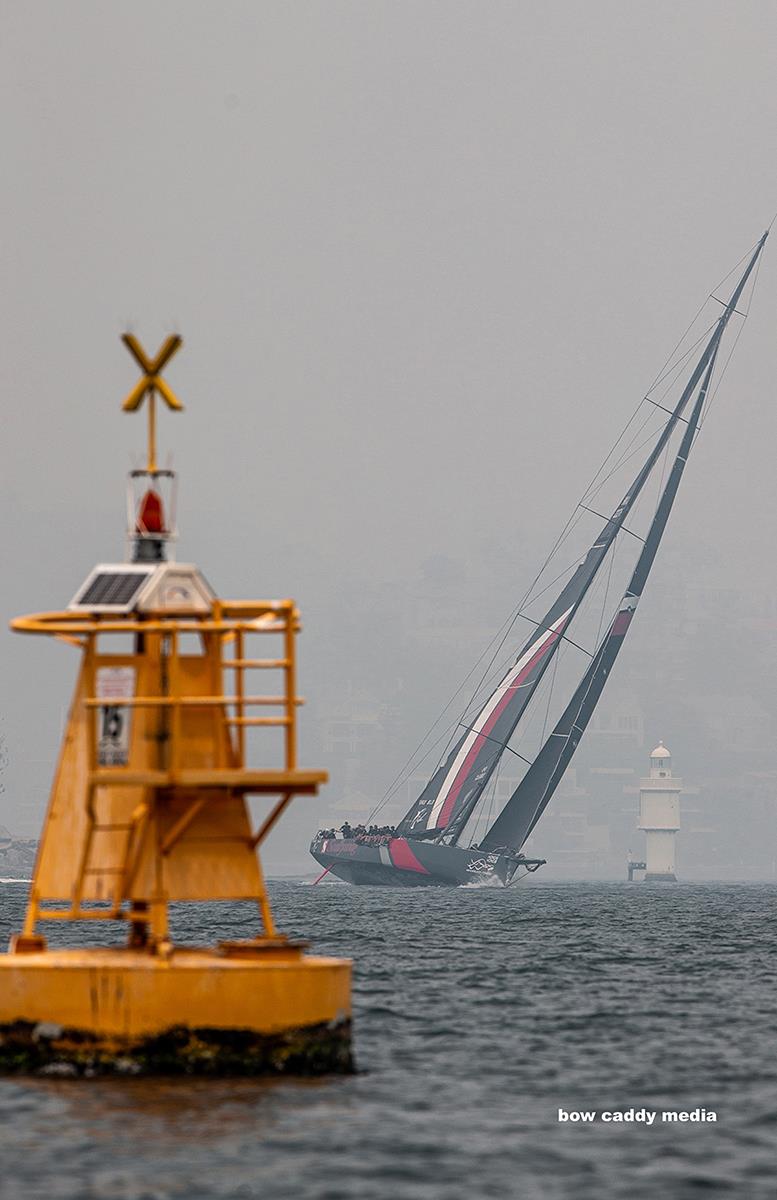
483	866
624	615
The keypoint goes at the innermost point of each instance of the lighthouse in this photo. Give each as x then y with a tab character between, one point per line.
659	816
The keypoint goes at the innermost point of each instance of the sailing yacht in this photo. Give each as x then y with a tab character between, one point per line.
424	849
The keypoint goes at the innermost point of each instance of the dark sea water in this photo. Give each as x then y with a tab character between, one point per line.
479	1013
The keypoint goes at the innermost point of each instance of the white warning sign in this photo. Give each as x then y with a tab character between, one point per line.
114	720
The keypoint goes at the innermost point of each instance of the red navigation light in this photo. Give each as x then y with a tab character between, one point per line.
151	514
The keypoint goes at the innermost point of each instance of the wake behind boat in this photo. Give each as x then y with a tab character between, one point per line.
424	847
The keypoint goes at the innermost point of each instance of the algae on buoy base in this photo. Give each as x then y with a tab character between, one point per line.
46	1049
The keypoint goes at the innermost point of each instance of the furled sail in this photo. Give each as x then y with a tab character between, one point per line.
531	797
447	801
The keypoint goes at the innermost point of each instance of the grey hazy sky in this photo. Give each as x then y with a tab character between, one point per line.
425	258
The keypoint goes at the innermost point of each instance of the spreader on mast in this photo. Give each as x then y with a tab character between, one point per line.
450	797
429	832
532	796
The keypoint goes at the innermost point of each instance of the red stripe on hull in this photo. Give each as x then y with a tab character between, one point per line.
402	856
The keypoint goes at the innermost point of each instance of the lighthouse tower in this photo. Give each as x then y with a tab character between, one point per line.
659	816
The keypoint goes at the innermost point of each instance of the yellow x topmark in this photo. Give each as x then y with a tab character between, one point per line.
150	384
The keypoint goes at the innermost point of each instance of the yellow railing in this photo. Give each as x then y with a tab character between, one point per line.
223	633
232	622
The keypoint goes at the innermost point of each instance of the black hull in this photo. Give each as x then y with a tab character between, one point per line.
403	862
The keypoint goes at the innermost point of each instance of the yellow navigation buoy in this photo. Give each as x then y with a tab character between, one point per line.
149	806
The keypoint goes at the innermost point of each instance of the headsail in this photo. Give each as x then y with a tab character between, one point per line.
530	798
449	798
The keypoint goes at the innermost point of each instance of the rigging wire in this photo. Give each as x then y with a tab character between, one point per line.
550	697
584	612
503	666
413	763
528	598
492	676
628	453
573	521
606	591
739	333
484	817
503	633
745	314
500	638
710	296
696	436
671	375
545	694
664	464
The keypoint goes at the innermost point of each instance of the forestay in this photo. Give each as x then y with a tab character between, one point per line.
448	800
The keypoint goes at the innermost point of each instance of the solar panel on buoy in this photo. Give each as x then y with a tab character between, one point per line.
111	589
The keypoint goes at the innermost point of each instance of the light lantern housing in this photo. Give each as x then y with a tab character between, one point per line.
152	498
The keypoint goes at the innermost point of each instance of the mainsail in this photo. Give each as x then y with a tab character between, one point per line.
530	798
448	800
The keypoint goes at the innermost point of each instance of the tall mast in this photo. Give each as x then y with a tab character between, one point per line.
533	794
446	803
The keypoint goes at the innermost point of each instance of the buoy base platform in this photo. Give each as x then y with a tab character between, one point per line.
241	1009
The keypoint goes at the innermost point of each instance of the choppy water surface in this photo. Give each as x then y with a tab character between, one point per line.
478	1014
